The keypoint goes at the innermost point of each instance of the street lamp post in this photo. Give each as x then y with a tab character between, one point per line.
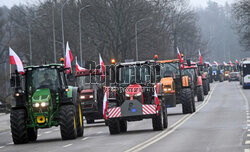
136	37
63	27
80	30
30	44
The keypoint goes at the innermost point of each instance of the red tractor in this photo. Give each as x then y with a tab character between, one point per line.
192	71
132	97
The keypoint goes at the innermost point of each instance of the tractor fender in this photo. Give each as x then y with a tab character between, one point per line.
185	81
73	93
199	81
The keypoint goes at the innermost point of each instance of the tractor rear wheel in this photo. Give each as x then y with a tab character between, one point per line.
205	87
114	126
80	127
32	134
18	126
200	93
187	100
68	124
123	125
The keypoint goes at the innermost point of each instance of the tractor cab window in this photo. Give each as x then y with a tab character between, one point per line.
170	69
134	74
246	69
42	78
86	81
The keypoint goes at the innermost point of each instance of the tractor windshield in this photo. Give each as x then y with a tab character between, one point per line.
170	69
87	80
42	78
133	74
214	68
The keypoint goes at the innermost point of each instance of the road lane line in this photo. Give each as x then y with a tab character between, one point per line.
85	138
248	130
248	135
2	147
67	145
246	101
171	129
247	150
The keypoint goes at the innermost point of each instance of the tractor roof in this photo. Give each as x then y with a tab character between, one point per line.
87	72
168	61
136	63
44	65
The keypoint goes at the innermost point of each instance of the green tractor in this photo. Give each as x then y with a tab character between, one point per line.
42	100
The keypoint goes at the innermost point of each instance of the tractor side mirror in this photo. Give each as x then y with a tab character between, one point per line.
188	62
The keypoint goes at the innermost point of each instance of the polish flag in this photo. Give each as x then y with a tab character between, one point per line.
215	63
102	66
105	106
231	63
179	55
236	61
157	102
68	58
15	60
78	67
224	63
200	57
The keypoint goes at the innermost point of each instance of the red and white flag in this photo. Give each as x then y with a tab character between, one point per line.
236	61
15	60
215	63
224	63
231	63
179	55
200	57
105	106
68	58
102	66
157	102
78	67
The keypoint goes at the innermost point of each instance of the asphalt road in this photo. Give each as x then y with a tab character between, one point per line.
221	123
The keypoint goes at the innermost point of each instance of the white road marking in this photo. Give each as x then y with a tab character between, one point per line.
248	121
248	117
248	135
100	132
2	147
48	132
171	129
67	145
56	129
248	130
247	142
11	143
247	150
248	125
85	138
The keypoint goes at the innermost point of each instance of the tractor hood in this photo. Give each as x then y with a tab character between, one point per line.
133	89
41	95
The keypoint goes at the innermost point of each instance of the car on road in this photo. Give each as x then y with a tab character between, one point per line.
234	76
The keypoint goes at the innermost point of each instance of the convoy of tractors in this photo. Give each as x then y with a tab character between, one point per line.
129	91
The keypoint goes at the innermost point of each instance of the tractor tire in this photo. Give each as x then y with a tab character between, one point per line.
114	126
208	85
68	124
193	103
18	126
80	127
187	100
200	94
123	125
205	87
159	120
165	115
32	134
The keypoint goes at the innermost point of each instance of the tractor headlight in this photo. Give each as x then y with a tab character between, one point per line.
138	94
127	95
82	97
91	96
44	104
167	89
36	105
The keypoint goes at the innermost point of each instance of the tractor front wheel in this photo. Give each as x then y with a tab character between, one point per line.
18	126
68	124
187	100
205	87
200	93
80	127
114	126
160	121
123	125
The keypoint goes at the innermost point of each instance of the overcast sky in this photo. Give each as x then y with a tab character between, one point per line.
195	3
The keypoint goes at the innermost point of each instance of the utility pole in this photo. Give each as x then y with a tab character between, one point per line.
54	34
63	45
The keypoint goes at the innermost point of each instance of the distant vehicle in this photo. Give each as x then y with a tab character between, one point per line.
245	73
234	76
